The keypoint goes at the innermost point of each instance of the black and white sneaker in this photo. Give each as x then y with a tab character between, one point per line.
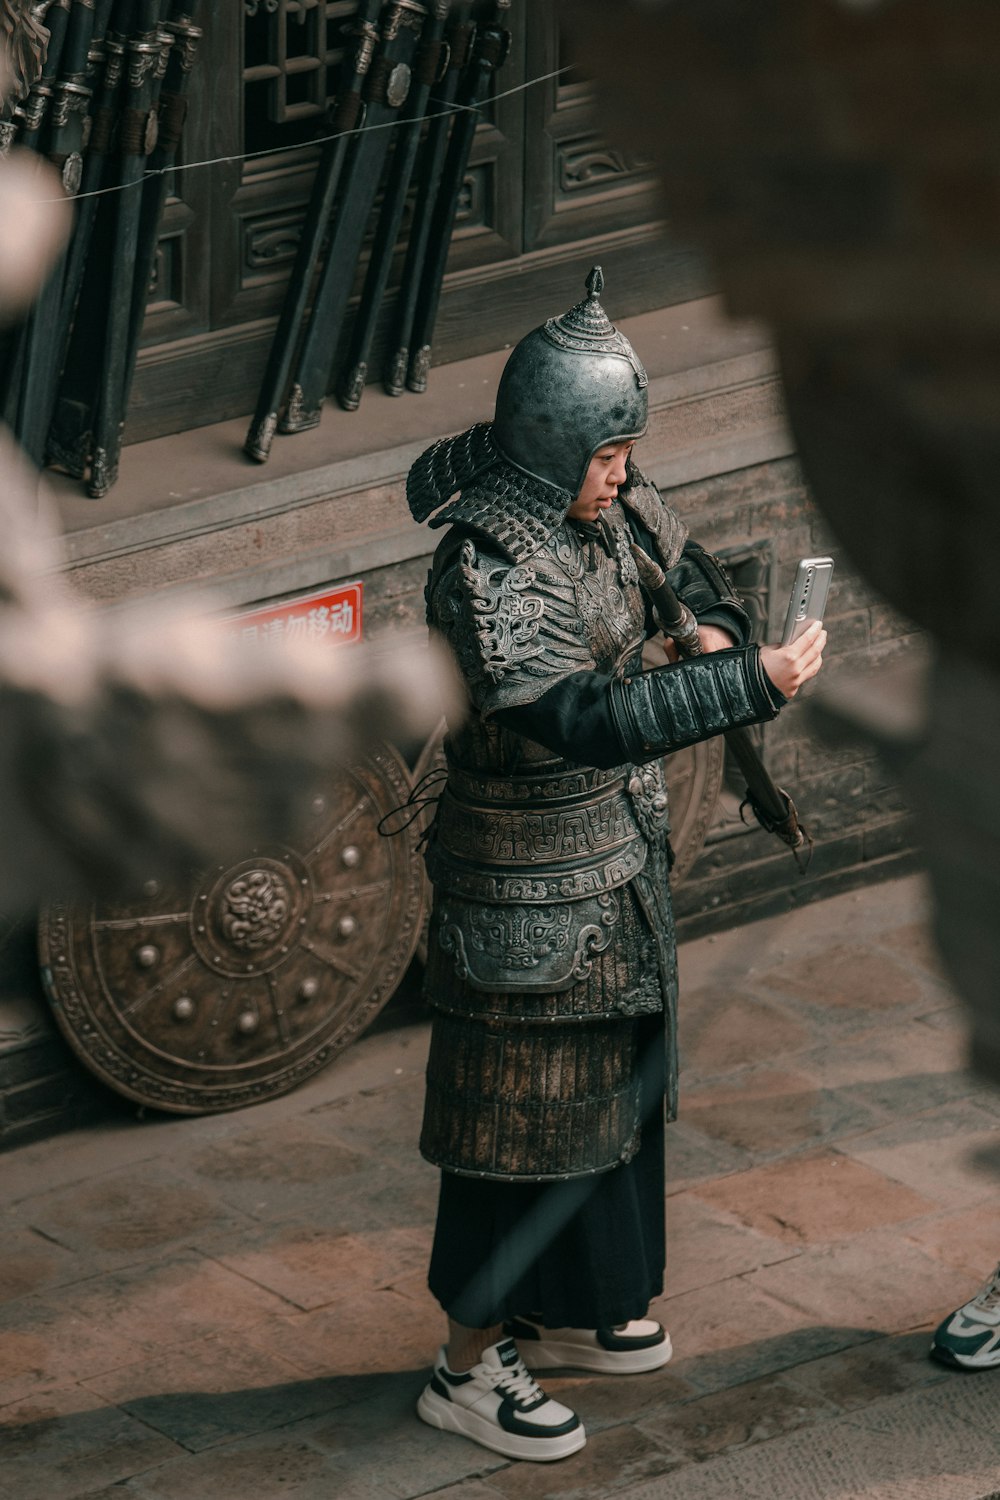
629	1349
970	1337
499	1405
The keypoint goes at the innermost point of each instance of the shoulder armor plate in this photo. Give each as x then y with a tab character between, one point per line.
514	627
669	532
514	510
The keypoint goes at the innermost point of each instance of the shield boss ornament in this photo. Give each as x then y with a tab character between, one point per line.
252	977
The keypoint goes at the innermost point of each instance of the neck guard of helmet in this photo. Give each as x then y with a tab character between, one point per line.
495	498
517	511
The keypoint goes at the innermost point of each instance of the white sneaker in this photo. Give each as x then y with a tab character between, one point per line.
499	1405
629	1349
970	1337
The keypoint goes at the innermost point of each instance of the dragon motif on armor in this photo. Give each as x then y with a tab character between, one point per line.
505	625
505	614
519	628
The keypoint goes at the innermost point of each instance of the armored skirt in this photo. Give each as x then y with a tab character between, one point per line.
584	1253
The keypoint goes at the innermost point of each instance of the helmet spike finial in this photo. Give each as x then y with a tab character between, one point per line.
595	282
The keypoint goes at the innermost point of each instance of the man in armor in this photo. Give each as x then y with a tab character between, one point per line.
552	968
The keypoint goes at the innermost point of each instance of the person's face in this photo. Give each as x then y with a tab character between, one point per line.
604	477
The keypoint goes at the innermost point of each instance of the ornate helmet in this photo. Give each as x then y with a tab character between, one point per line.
570	387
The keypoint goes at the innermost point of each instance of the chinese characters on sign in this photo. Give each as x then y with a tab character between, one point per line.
333	615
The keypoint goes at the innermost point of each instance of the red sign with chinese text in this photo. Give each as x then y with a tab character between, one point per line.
332	615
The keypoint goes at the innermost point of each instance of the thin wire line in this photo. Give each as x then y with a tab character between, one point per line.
323	140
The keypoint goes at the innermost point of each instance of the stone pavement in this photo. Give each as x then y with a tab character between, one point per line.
220	1308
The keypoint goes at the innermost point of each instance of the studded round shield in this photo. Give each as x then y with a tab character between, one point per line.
694	781
240	986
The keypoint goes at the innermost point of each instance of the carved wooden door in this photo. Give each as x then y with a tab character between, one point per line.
576	187
540	181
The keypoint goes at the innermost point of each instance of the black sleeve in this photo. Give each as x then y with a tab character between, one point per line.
604	721
573	719
728	617
703	584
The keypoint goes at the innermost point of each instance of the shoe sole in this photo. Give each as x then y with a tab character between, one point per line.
445	1415
961	1361
549	1354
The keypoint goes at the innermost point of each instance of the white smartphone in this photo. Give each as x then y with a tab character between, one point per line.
807	600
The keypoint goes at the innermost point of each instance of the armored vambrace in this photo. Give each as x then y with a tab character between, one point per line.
670	707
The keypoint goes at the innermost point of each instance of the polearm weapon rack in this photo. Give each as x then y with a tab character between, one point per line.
146	54
388	92
413	84
347	113
490	50
388	88
81	327
33	119
60	139
430	64
172	110
95	110
440	110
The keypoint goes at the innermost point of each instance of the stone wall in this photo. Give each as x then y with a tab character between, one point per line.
846	796
43	1088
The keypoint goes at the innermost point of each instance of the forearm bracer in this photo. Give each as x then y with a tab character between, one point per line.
670	707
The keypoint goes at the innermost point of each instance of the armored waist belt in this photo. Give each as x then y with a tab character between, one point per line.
541	838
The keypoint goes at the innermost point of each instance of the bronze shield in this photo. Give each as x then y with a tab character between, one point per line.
245	982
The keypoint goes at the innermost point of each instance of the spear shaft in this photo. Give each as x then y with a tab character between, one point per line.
145	60
82	319
489	53
33	116
64	147
171	110
388	88
461	34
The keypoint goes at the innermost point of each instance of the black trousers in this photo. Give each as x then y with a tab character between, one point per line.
586	1253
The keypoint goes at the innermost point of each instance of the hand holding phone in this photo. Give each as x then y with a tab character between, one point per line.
807	601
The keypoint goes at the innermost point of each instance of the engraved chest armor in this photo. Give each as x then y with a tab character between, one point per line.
529	851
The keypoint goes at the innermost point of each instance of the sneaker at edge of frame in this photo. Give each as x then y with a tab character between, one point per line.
969	1338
